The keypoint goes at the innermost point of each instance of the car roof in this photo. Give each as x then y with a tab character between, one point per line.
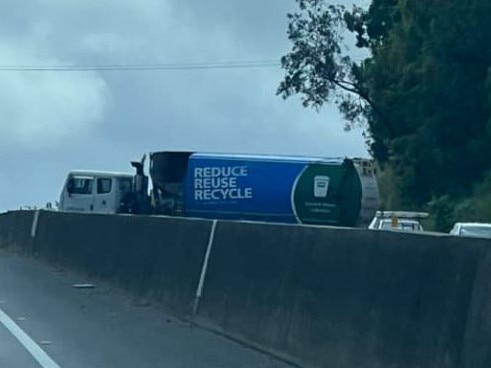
480	224
100	173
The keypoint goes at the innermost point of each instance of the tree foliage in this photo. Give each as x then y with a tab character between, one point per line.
423	94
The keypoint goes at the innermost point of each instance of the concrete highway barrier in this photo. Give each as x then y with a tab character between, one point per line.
150	256
342	297
334	297
15	228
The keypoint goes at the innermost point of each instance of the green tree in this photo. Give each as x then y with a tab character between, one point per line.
423	94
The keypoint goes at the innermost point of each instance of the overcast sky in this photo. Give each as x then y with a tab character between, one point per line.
52	122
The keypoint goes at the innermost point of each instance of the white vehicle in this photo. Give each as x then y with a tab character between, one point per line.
472	229
96	192
398	220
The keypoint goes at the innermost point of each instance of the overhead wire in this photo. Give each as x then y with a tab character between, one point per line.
148	67
141	67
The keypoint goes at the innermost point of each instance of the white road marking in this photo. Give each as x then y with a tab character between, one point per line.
37	353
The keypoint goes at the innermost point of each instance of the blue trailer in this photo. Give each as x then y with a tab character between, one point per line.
284	189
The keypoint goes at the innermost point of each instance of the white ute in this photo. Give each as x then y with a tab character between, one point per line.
398	220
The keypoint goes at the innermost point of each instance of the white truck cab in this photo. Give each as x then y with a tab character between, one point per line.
398	220
95	192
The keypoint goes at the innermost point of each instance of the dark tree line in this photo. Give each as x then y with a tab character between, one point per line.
423	94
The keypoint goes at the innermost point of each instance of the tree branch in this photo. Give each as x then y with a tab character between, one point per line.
354	89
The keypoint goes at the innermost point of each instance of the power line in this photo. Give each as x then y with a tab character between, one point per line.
140	67
148	67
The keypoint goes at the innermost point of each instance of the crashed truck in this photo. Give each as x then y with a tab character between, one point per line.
266	188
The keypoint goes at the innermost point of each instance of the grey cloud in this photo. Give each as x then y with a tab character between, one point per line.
101	120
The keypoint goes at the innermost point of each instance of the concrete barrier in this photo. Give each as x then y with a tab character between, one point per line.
477	348
15	228
319	297
152	256
342	298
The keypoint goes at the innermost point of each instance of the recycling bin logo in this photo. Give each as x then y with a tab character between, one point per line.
311	195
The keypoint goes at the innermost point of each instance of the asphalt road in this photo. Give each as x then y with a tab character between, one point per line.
46	322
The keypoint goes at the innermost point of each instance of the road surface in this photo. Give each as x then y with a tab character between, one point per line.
45	322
